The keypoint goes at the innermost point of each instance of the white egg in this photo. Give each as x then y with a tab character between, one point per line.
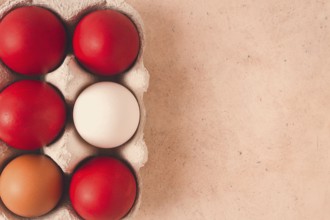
106	114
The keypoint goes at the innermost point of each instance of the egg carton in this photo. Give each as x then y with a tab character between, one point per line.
70	79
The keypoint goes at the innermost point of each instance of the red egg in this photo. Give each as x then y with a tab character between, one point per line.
32	113
103	188
106	42
32	40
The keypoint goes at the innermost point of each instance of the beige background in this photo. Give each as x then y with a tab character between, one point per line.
238	109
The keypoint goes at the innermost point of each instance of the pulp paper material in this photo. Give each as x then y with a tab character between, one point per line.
71	79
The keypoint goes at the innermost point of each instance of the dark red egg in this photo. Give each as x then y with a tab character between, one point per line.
103	188
32	113
106	42
32	40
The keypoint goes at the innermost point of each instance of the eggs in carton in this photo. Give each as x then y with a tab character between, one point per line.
71	79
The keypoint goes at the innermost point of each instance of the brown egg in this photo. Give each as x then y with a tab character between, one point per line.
31	185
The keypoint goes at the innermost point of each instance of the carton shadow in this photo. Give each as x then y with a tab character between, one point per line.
163	174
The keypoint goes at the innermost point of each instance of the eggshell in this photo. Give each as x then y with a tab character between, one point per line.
103	188
106	42
32	114
31	185
106	114
32	40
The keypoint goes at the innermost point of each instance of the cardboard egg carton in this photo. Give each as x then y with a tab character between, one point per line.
70	78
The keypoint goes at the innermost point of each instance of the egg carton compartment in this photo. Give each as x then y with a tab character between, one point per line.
69	149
